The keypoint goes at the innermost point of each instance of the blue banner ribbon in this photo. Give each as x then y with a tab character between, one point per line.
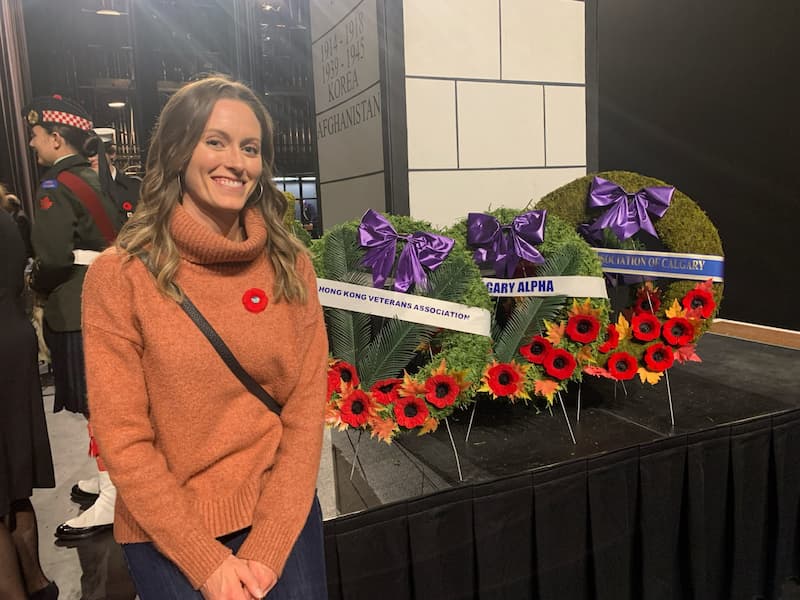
669	265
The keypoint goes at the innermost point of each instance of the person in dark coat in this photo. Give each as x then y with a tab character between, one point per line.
124	190
25	458
75	221
13	206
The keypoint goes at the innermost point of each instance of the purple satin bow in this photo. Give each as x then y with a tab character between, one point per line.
505	245
627	213
421	250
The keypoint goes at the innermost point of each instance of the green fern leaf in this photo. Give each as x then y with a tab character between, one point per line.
529	313
392	350
342	253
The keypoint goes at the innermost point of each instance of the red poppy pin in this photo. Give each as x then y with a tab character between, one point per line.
127	206
255	300
45	203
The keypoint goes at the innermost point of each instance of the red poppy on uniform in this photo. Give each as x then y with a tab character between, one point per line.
45	203
255	300
583	328
559	363
385	391
355	408
441	390
127	206
646	327
410	411
536	350
621	365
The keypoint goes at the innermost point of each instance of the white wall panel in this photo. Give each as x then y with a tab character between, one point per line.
500	125
565	125
446	196
431	115
543	40
346	200
449	38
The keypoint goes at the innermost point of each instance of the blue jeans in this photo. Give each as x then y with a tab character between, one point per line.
303	578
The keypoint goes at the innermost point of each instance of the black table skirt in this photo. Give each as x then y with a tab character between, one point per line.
638	510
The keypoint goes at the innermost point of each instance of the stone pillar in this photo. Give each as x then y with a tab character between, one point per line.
434	108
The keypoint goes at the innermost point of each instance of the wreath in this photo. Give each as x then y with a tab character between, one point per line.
659	320
540	343
390	376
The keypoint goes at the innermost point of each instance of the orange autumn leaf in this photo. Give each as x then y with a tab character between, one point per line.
623	328
585	355
383	428
546	388
584	308
554	332
675	310
332	417
430	425
410	387
649	376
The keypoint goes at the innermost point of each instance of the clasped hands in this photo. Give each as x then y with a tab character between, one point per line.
239	579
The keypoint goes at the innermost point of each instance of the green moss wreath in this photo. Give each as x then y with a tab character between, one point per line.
533	353
682	310
389	375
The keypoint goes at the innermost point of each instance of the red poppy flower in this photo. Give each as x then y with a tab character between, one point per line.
583	328
621	365
334	381
347	374
441	390
536	350
677	331
410	411
612	339
642	304
559	363
646	327
503	379
255	300
658	357
385	390
699	300
355	408
127	206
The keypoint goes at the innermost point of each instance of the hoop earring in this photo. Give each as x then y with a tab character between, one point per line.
260	192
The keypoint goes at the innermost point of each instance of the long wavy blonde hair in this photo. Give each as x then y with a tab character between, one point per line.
177	133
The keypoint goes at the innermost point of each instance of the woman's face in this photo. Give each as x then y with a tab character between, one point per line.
225	166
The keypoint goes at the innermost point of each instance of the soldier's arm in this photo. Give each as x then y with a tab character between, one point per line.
52	237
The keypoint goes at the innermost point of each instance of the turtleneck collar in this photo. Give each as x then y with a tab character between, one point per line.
198	244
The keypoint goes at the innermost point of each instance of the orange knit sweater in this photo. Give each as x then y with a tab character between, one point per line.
193	454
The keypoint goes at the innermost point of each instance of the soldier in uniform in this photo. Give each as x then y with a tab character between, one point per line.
74	221
124	190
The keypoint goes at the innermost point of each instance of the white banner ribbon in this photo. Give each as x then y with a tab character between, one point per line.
406	307
574	286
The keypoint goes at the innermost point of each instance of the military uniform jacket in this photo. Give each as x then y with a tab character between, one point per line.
64	224
125	192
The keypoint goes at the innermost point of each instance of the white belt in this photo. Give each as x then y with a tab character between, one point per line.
84	257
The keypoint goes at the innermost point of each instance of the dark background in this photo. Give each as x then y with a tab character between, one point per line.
704	95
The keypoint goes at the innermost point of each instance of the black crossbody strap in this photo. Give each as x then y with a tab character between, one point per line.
225	353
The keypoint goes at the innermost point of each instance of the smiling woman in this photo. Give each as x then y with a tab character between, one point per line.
215	472
224	168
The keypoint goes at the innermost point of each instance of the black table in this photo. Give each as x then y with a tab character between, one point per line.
637	509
